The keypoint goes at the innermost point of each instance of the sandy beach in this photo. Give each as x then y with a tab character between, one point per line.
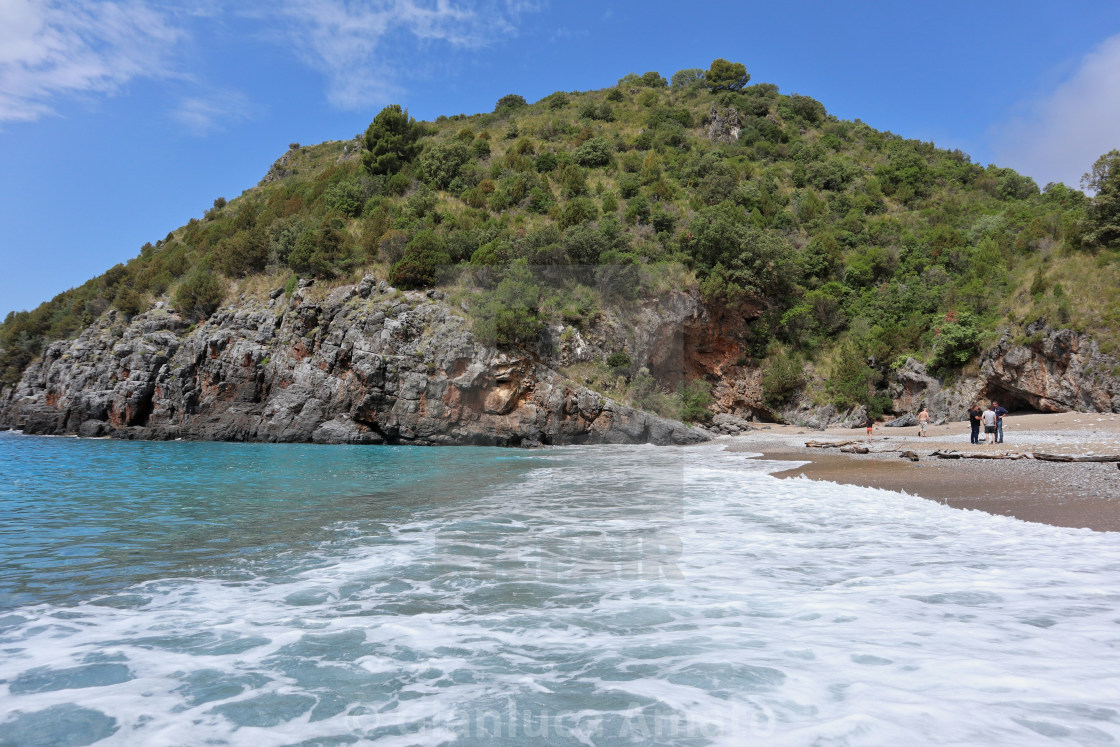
1062	494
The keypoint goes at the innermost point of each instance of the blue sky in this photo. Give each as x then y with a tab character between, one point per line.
122	119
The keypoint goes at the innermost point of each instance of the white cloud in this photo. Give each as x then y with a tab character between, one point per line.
203	115
50	49
365	48
1065	130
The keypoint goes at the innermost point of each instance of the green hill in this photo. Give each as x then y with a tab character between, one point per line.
846	244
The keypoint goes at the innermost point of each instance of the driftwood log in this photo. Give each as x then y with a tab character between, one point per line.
857	447
1036	455
854	449
828	444
963	455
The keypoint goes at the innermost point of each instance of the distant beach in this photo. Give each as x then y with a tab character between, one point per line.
1061	494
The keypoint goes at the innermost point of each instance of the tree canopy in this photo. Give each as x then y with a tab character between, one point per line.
1104	210
726	76
510	102
391	140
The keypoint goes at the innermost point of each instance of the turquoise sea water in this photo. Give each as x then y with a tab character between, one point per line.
191	593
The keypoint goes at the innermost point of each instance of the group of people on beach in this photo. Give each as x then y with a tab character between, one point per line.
992	420
991	417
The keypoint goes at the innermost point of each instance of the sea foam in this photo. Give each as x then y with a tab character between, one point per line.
605	595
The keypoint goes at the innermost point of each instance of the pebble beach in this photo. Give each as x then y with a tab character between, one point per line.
1085	495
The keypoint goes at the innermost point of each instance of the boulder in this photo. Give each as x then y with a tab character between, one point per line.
728	424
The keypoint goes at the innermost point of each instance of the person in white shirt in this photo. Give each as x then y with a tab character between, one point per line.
989	417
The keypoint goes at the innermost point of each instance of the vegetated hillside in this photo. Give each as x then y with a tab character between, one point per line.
840	250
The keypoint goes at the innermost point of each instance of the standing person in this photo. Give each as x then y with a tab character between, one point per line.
1000	412
923	422
869	423
989	418
974	419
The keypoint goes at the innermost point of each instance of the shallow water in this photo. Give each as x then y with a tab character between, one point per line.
182	593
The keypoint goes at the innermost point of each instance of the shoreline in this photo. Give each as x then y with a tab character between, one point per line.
1076	495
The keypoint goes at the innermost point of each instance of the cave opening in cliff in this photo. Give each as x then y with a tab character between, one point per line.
1012	402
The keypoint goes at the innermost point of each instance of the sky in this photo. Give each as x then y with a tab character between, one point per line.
122	119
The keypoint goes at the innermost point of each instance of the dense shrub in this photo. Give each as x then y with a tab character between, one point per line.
599	112
243	253
753	262
347	198
423	260
440	164
593	153
200	294
128	301
576	211
663	117
319	251
850	379
583	243
509	314
545	162
695	398
782	376
692	77
956	342
508	103
629	185
557	100
540	201
807	108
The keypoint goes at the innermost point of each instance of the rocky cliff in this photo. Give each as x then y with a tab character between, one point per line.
370	364
367	364
1054	371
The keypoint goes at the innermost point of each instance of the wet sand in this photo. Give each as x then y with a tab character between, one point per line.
1062	494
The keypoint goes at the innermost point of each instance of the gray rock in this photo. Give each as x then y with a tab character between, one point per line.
354	368
723	124
1058	371
904	421
724	418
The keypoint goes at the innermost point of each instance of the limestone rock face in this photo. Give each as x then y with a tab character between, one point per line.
368	364
912	387
1060	370
723	124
